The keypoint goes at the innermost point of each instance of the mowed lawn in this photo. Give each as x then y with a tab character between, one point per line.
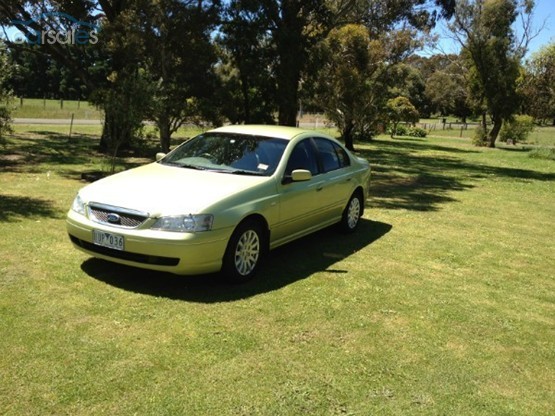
443	302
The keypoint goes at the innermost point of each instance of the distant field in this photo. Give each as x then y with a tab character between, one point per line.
54	109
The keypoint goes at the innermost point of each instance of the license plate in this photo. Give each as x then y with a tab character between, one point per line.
104	239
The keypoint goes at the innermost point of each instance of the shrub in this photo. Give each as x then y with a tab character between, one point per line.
400	130
5	126
417	132
480	137
517	129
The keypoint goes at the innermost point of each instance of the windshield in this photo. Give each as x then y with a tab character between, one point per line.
229	153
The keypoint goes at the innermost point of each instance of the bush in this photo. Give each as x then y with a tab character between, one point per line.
404	130
401	130
480	137
517	129
5	124
417	132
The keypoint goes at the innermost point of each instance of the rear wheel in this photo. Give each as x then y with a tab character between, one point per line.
244	252
352	213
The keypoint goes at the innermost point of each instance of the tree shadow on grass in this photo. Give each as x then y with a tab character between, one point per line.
290	263
14	208
71	157
49	148
419	176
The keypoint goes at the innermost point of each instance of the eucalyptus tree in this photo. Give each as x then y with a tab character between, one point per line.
276	36
351	86
362	64
446	85
485	30
539	84
5	113
247	64
146	59
179	61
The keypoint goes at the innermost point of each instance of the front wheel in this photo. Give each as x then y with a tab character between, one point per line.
352	214
244	252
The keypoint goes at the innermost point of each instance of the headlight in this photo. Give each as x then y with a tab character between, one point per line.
78	205
185	223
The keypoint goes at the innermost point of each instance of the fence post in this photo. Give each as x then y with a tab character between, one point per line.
71	125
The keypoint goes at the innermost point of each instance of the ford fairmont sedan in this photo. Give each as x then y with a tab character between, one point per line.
221	201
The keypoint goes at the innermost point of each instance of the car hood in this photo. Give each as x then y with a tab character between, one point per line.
167	190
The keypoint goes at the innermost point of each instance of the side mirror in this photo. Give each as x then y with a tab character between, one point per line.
300	175
160	156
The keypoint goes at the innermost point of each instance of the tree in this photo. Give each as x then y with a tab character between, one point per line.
493	54
55	81
446	86
406	80
179	60
539	84
276	35
247	65
400	109
351	86
5	113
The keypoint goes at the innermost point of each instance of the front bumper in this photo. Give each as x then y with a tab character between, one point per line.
179	253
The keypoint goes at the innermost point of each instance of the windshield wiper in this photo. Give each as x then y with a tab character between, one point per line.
185	165
244	172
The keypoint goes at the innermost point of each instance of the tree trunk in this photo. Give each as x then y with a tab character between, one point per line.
348	135
165	135
484	123
288	82
246	98
290	46
492	136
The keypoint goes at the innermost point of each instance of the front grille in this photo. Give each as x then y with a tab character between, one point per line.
116	216
125	255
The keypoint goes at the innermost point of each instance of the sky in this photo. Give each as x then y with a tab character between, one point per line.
544	14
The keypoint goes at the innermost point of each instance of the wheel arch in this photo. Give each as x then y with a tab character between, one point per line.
360	191
263	223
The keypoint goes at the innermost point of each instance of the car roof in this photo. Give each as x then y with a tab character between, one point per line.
281	132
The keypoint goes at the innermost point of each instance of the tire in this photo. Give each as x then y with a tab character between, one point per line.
352	214
244	253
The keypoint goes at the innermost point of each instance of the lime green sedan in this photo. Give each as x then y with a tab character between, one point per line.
221	201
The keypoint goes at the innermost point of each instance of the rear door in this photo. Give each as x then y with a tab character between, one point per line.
336	178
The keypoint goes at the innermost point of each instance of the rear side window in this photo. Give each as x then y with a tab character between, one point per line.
332	156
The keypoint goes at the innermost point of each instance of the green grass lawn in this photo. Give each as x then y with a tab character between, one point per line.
443	302
54	109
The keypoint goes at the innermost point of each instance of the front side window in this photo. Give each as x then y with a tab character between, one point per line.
304	157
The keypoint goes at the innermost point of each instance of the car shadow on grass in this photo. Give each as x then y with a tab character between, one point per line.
321	251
